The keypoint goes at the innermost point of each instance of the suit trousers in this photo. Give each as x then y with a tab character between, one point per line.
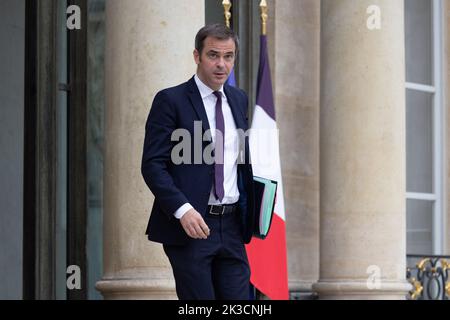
214	268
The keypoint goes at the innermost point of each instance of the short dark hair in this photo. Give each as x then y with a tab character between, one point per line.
216	30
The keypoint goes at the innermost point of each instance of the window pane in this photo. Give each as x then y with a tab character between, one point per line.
419	141
12	109
419	226
419	43
62	136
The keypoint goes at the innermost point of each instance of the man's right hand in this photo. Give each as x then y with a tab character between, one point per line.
194	225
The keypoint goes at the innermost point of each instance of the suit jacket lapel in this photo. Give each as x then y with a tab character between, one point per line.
197	103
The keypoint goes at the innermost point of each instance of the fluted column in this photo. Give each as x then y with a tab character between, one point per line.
149	46
362	152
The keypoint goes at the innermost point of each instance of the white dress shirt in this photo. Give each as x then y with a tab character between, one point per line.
231	148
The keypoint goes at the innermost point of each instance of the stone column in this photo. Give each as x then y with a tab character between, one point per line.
294	26
362	146
149	45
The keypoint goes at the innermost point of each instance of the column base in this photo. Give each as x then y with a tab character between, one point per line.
302	290
137	289
361	290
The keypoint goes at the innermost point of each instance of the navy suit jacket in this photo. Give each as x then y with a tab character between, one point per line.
176	184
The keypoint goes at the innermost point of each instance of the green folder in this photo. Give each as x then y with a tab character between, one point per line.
265	196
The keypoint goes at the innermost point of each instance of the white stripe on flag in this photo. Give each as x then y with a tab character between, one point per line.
265	153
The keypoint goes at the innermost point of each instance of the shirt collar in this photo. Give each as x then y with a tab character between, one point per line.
206	91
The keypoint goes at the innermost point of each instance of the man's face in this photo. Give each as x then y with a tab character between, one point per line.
216	61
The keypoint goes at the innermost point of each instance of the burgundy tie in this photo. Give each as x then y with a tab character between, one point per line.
218	168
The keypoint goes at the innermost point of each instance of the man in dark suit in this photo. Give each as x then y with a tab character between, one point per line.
203	210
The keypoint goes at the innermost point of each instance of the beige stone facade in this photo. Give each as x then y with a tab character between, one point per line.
296	87
339	93
139	34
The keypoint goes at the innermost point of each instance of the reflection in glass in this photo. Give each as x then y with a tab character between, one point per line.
419	141
419	226
419	43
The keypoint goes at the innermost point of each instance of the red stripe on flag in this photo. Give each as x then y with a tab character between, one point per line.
268	262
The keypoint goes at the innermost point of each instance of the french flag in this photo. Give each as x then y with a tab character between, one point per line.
268	257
